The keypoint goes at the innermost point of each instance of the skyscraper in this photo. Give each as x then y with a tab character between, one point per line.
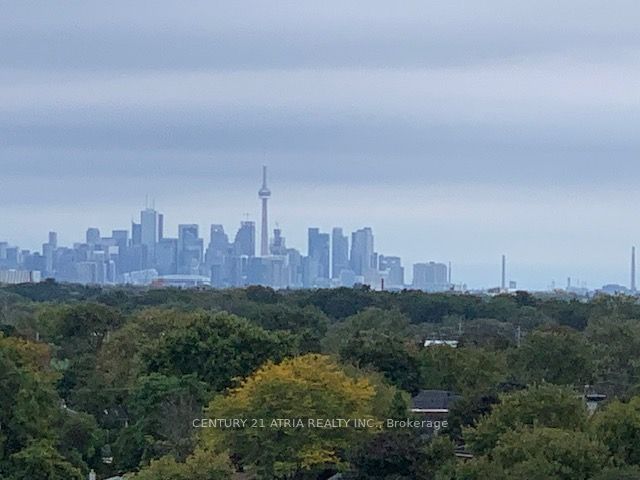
430	277
136	234
339	252
264	193
218	245
190	248
362	254
93	236
394	270
318	255
279	244
149	233
160	226
245	240
53	239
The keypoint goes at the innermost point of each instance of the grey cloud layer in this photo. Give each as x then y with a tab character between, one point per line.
401	96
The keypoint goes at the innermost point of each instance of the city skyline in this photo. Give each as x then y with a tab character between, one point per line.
327	253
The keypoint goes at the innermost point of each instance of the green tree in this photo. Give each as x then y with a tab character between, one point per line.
217	348
308	323
540	453
41	461
463	370
618	427
80	439
29	405
540	405
616	345
555	355
389	454
619	473
162	409
388	322
388	355
201	465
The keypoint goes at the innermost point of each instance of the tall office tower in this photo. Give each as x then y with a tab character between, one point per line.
93	236
167	256
339	252
121	237
394	270
218	245
318	252
633	269
503	284
149	233
362	252
190	247
245	241
53	239
431	277
160	226
264	193
279	244
48	254
136	234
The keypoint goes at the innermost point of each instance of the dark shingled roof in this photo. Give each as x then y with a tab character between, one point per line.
433	400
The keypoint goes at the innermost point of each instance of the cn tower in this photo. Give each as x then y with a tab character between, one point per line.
264	193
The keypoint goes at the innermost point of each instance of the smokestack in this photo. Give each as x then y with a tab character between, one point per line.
633	269
503	284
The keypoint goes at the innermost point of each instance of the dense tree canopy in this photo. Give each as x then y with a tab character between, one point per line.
111	379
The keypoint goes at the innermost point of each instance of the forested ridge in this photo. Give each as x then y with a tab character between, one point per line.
112	379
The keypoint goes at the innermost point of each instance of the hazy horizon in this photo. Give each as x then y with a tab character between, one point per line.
457	131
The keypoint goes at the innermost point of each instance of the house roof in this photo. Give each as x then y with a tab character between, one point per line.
433	401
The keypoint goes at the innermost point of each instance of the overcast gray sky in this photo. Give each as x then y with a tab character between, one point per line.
457	130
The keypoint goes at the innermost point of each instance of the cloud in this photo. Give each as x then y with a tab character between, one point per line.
363	104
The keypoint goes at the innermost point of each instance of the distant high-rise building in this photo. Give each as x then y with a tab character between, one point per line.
362	253
160	226
218	245
503	283
167	256
264	193
245	240
318	253
431	277
190	247
93	236
394	270
48	255
121	237
149	233
279	244
136	234
339	252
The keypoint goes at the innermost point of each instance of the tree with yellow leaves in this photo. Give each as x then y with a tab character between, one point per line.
288	408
